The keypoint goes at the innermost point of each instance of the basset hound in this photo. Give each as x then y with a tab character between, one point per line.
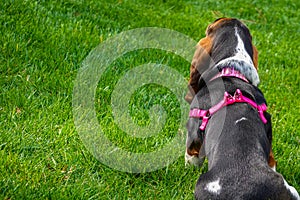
228	122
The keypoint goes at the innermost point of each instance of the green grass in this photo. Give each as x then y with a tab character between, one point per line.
43	44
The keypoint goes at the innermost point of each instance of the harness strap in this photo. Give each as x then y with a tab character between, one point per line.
227	100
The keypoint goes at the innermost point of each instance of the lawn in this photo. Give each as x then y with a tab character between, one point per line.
43	47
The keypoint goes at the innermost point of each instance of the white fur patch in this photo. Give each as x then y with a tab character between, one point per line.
214	187
241	62
193	160
239	120
241	53
274	168
291	189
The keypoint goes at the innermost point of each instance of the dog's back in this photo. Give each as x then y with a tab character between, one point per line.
238	183
238	154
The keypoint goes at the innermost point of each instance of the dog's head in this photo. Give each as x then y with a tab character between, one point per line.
219	48
228	43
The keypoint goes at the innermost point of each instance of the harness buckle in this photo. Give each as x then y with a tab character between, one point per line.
205	119
238	95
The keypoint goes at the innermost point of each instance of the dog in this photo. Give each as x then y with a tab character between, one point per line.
228	122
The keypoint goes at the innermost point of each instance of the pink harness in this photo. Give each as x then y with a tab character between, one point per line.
228	100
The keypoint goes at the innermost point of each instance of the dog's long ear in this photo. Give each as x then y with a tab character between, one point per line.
200	63
255	57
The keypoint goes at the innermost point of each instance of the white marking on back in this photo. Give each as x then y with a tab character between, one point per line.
247	68
239	120
291	189
214	187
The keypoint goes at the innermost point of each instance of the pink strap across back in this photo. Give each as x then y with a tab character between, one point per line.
228	100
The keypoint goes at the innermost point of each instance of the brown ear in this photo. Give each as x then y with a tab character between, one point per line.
255	57
199	64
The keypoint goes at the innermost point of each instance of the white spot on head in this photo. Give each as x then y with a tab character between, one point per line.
214	187
291	189
239	120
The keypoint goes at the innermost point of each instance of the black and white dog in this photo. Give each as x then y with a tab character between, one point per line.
228	121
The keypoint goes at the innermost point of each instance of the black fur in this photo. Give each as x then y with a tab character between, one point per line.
224	42
237	153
